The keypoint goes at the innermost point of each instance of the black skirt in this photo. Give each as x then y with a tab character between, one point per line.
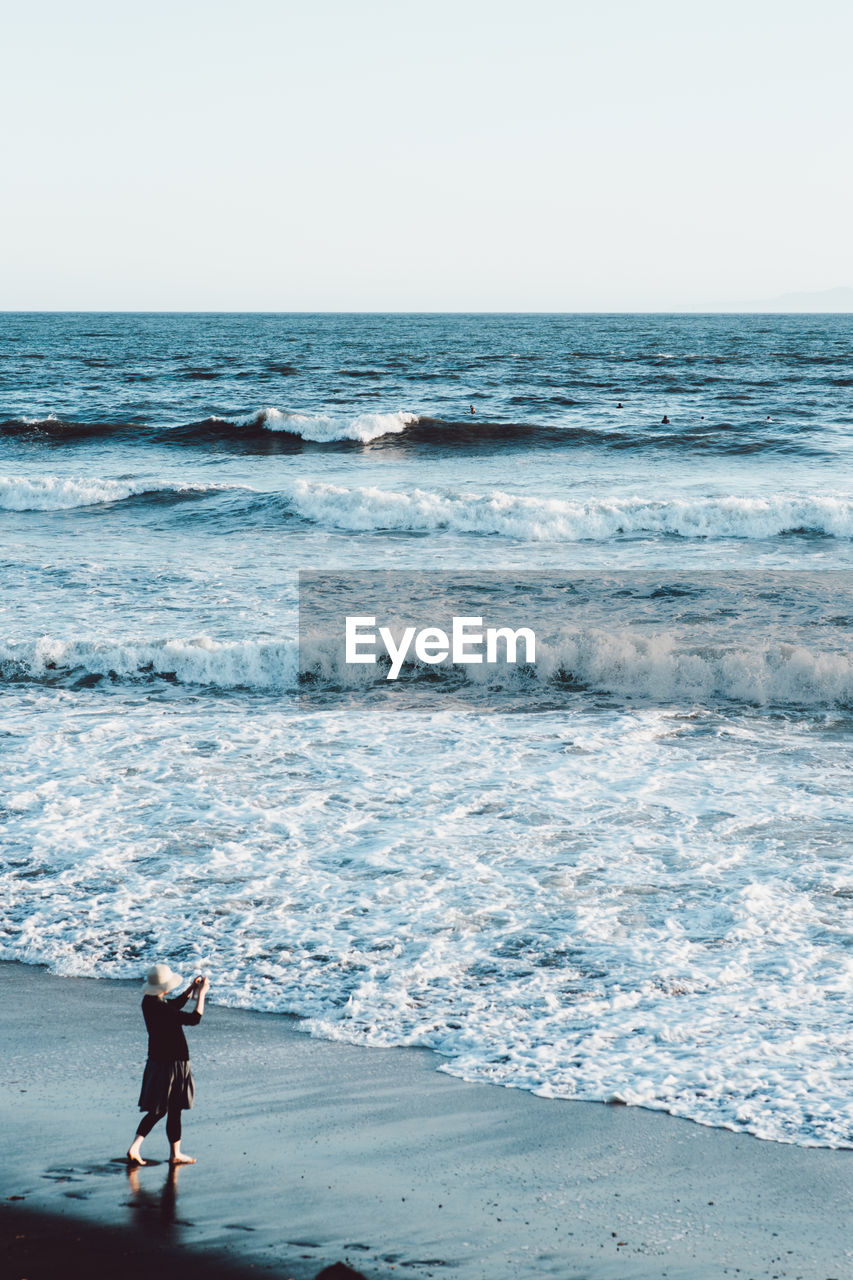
166	1084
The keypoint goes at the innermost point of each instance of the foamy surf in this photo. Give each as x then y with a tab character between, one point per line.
540	519
371	509
578	906
322	428
623	664
197	660
65	493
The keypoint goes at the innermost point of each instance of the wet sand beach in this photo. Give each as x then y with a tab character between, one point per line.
311	1152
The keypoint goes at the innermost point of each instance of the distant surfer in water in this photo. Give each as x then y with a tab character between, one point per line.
167	1083
664	421
473	410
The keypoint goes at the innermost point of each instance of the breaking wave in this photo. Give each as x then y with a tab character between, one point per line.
562	520
65	493
651	667
324	429
403	429
198	660
313	428
494	514
659	669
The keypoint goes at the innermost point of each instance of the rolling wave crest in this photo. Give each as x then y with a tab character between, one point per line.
625	663
65	493
563	520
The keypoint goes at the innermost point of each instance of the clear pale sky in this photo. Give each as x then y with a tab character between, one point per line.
373	155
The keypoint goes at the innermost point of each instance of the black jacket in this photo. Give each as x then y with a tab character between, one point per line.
165	1021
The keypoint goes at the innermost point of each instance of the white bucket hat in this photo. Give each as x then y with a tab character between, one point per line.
160	979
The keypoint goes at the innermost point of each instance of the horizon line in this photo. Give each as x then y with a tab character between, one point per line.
379	311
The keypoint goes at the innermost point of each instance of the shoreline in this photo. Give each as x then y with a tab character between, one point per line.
313	1152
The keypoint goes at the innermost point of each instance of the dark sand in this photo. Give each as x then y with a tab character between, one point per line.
311	1152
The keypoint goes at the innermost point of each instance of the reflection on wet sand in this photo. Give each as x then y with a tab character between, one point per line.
158	1207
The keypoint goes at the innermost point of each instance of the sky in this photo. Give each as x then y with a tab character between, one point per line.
373	155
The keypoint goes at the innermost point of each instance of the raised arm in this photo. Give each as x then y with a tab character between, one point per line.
180	1001
199	988
201	991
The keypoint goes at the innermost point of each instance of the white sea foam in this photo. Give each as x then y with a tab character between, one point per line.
64	493
662	667
650	667
324	429
198	660
562	520
536	519
578	907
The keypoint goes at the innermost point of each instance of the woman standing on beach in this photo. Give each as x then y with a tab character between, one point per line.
167	1084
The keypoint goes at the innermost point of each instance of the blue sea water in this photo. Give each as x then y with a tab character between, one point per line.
644	890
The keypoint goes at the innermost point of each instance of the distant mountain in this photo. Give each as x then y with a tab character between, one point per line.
840	299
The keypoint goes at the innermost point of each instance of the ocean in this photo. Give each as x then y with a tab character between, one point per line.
635	885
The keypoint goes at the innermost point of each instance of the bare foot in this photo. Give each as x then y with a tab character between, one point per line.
180	1158
133	1156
